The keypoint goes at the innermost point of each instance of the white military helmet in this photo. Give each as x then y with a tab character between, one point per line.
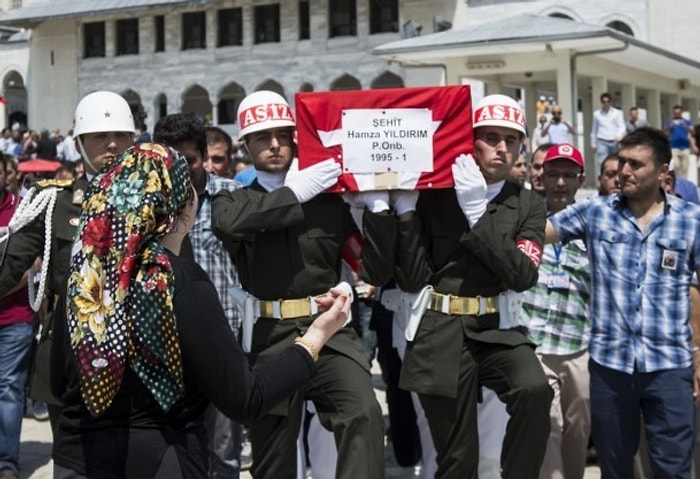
499	110
103	111
263	110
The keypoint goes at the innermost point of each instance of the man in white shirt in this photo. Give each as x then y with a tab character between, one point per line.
558	130
607	129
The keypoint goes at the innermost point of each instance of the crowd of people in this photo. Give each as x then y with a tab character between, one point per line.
193	289
609	126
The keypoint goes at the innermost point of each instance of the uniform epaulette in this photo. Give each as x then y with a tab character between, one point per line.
54	182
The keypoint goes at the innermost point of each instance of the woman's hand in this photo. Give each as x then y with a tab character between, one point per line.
337	311
325	303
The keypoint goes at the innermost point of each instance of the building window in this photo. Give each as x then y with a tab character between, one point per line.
159	27
563	16
194	34
267	23
383	16
343	18
226	111
304	20
16	4
128	36
162	106
94	39
230	22
621	27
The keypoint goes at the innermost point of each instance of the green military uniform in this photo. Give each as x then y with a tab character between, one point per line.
451	356
27	244
286	250
20	252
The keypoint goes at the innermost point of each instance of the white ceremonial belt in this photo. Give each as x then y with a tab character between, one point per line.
248	309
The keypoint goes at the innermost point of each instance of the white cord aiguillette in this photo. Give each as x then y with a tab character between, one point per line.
29	209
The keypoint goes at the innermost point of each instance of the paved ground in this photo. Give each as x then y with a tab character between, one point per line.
35	453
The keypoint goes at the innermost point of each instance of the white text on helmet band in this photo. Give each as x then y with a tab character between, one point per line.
267	112
500	112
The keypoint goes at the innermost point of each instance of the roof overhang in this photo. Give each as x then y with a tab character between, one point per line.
39	12
523	34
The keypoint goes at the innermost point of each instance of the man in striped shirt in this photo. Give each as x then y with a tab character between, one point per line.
644	247
556	313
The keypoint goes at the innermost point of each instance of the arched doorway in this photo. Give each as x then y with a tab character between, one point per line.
14	96
196	100
346	82
387	80
230	97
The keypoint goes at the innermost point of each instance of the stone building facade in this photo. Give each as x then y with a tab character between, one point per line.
204	57
166	56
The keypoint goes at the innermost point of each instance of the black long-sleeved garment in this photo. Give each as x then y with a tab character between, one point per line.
130	438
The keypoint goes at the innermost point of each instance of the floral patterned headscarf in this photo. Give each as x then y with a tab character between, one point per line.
120	290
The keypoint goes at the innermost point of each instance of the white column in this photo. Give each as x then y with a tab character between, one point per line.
654	108
564	84
629	94
564	93
599	85
214	110
691	106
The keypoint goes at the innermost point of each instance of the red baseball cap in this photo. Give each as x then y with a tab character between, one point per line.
565	151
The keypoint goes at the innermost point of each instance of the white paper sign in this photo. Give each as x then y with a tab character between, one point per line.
379	140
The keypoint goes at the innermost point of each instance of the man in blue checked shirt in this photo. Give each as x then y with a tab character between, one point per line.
556	314
644	247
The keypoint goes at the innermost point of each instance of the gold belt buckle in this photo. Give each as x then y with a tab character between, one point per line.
295	308
464	306
266	309
446	303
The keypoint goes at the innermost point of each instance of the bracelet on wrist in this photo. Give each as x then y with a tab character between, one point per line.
308	345
695	349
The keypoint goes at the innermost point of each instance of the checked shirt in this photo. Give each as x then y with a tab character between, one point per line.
209	252
557	318
640	281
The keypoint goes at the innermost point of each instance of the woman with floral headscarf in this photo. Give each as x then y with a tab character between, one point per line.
143	346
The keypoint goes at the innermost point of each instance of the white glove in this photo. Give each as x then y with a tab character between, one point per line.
375	201
344	288
403	201
471	188
311	181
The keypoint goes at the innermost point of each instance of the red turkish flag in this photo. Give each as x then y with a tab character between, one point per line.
320	131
